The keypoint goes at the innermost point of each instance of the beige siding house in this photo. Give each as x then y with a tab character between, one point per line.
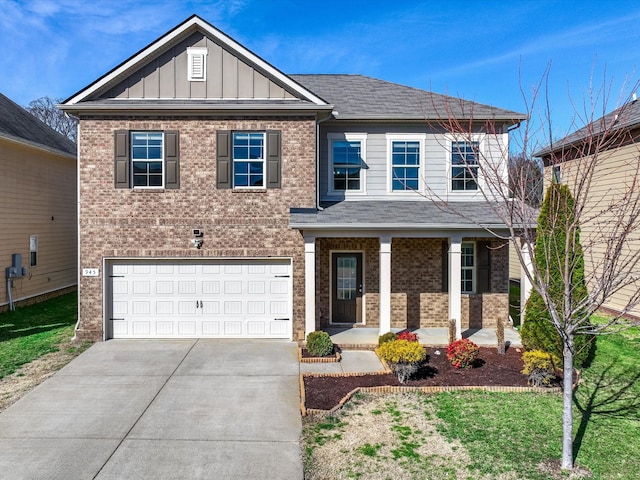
223	198
37	207
615	169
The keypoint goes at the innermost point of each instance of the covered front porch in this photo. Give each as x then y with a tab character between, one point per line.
372	267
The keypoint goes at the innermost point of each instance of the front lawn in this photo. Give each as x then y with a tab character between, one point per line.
35	330
488	435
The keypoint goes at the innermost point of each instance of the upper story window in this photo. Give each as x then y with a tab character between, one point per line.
146	159
347	153
248	159
464	166
405	153
557	174
197	64
468	267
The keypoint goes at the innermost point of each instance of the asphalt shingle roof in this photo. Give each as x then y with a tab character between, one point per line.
625	117
17	123
404	214
360	97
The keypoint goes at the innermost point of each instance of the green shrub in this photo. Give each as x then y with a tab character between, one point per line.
387	337
558	256
319	344
404	357
541	367
462	353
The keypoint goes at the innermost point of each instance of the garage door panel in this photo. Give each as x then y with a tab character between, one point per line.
223	298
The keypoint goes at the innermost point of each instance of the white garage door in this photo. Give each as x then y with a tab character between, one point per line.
217	299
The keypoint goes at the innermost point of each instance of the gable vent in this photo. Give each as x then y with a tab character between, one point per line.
197	62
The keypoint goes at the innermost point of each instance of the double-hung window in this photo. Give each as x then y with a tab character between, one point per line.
464	166
147	159
248	159
468	267
347	153
405	165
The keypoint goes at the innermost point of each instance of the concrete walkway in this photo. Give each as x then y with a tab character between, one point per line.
193	409
368	337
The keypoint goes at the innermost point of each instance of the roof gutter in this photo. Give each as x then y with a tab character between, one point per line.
395	226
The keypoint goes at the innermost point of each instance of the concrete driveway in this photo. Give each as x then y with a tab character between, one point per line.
136	409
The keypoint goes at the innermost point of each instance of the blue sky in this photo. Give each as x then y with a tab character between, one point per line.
480	50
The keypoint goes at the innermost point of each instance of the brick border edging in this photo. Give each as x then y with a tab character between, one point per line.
333	359
401	389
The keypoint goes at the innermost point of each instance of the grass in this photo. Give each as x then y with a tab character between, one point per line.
35	330
514	436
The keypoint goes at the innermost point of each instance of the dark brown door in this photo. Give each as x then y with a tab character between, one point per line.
346	289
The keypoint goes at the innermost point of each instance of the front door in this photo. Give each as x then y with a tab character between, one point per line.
346	290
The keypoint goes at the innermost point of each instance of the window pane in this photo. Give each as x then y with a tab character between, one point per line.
147	146
248	159
347	163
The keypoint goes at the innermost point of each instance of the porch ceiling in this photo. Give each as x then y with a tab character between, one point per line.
406	215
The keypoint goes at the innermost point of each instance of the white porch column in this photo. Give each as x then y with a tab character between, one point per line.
525	283
455	283
309	284
385	284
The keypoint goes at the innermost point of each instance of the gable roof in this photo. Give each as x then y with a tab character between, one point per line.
89	96
358	97
19	125
626	117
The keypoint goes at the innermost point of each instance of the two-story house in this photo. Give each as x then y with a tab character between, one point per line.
600	163
220	197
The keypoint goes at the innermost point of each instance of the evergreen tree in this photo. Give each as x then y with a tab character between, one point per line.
558	256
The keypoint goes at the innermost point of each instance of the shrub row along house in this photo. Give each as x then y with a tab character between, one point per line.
38	239
220	197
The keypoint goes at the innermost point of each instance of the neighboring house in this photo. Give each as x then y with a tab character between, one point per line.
220	197
616	139
38	208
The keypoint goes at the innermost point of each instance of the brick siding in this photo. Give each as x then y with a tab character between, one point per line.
123	223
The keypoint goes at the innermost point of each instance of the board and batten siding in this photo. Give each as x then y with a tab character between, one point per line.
434	172
38	197
613	173
227	77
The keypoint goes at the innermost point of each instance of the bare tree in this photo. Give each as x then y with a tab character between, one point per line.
46	110
608	218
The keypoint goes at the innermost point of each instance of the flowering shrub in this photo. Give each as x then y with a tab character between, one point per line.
462	353
404	357
408	336
541	367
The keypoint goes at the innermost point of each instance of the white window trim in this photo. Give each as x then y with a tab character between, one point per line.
192	53
406	137
480	138
132	161
264	162
474	278
349	137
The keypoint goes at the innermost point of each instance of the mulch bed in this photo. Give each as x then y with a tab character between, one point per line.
491	369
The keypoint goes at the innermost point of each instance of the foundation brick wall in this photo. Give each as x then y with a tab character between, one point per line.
158	223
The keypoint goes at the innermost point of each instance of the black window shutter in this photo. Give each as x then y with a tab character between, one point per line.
122	178
484	267
445	266
223	159
172	159
274	149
